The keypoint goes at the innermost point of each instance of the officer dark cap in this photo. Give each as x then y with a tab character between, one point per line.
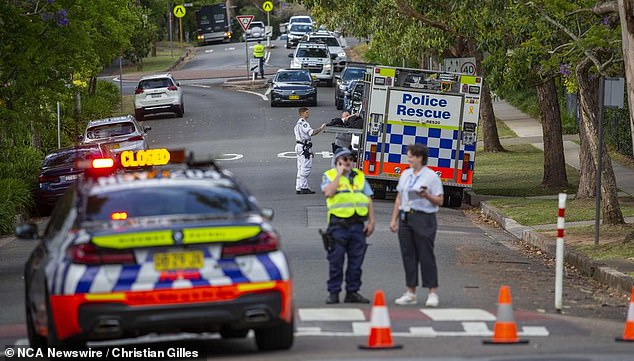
340	153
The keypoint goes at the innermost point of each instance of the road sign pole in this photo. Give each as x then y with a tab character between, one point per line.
246	51
180	30
268	36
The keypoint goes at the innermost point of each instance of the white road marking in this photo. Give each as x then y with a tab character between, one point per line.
200	86
458	314
255	93
209	51
331	314
268	91
230	156
231	48
361	328
534	331
267	57
292	155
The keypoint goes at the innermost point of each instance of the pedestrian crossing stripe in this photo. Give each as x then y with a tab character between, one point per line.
470	329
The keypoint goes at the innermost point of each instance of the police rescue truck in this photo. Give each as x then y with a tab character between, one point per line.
402	106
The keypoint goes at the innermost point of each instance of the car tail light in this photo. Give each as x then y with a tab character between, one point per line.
119	216
90	254
138	91
372	159
173	87
465	166
47	178
264	242
135	138
101	163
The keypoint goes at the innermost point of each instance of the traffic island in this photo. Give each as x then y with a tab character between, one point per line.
242	83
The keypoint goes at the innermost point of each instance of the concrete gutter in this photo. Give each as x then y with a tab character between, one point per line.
591	268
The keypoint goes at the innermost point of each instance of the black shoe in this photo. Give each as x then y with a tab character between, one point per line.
305	191
355	297
332	298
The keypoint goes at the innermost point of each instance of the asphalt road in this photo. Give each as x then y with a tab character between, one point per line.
474	257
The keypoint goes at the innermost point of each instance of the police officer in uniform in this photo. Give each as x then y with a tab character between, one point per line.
350	221
303	149
258	53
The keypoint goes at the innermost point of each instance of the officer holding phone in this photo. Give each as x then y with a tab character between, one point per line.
350	221
420	195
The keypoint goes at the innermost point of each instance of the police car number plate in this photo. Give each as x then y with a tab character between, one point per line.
178	261
293	97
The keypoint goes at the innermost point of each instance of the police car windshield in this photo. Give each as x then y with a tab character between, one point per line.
110	130
328	40
293	76
353	73
163	201
312	53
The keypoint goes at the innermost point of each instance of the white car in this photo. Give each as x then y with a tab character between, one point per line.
117	134
304	19
158	93
333	44
255	31
316	59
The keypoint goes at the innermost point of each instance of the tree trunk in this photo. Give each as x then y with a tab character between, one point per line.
554	161
491	138
587	169
626	13
589	110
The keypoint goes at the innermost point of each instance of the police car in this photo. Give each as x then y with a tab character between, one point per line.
315	58
184	248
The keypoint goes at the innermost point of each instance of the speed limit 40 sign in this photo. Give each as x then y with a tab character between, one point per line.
460	65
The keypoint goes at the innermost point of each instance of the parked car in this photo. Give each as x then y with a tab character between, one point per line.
293	86
117	133
316	59
255	31
158	93
344	79
301	19
296	32
353	98
62	167
325	37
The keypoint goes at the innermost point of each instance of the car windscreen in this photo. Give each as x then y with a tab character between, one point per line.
301	28
155	83
70	156
305	20
352	73
311	53
328	40
291	76
110	130
167	200
256	24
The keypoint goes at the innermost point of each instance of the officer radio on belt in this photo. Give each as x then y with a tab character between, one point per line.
303	149
350	221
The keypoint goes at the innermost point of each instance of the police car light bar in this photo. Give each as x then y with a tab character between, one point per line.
100	163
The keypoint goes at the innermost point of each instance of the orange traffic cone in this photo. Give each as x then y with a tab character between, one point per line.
505	330
628	333
380	332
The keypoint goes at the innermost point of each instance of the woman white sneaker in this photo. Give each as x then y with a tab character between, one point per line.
432	300
408	298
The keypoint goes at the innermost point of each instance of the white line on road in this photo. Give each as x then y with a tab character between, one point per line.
331	314
199	86
231	48
458	314
268	91
255	93
209	51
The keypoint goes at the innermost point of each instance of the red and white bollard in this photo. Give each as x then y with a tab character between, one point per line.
559	252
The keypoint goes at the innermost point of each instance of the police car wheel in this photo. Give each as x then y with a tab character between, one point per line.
275	338
227	332
35	340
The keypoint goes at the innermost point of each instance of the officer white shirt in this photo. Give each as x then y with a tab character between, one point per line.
303	131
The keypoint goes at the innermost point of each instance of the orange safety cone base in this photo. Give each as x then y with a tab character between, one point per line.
500	342
621	339
387	347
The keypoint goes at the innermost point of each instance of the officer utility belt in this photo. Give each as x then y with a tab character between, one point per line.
338	221
305	143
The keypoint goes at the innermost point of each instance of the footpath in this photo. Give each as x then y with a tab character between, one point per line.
529	131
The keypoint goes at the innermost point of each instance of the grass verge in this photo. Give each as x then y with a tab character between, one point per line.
503	131
532	212
515	173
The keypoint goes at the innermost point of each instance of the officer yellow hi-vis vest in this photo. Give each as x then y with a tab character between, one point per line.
349	198
258	51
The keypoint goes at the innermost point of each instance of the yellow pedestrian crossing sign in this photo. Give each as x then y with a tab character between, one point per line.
267	6
179	11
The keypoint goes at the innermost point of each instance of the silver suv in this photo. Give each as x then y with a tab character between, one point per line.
158	93
316	59
333	44
117	134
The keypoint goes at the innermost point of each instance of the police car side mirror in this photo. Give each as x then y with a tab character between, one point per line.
268	213
290	55
146	129
26	231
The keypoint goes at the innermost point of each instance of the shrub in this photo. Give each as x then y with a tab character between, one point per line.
15	198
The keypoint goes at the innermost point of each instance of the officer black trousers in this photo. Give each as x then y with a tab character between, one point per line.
416	237
349	241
